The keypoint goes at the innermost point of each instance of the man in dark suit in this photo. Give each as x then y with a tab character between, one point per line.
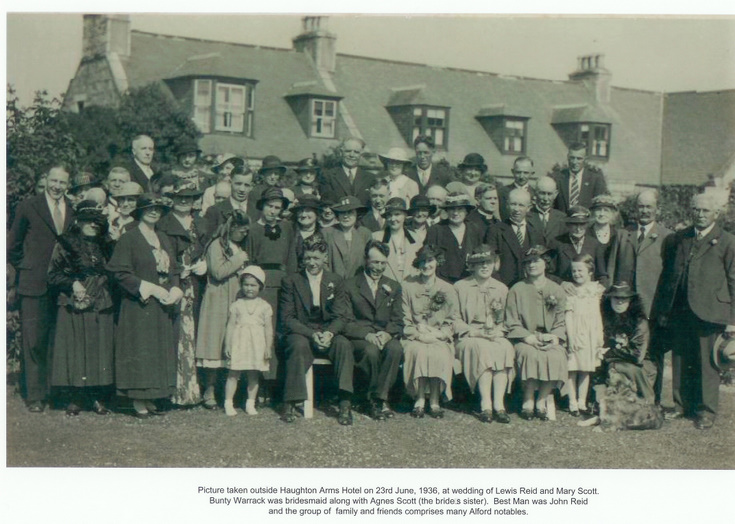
578	184
578	241
373	219
511	238
347	179
375	323
140	163
543	215
312	311
523	171
640	261
484	215
425	173
31	239
242	184
695	300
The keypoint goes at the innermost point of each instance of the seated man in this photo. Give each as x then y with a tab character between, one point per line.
312	312
376	320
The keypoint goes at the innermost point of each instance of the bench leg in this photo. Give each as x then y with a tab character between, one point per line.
309	402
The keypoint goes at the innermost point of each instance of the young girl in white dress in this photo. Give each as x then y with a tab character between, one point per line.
584	331
248	339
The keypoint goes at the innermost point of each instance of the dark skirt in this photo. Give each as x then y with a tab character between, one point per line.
82	350
270	294
145	350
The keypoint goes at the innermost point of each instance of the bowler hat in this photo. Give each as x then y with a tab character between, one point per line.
604	201
185	188
621	290
272	193
578	215
395	154
349	203
394	204
272	163
421	202
253	271
84	179
473	160
458	200
308	164
306	202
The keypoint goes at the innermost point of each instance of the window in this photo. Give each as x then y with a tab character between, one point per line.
323	118
597	138
432	122
231	106
514	136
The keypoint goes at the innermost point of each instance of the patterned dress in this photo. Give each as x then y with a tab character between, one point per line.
245	341
584	325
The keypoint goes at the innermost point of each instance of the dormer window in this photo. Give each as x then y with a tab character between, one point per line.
597	138
316	108
224	107
507	127
430	121
584	123
417	110
514	136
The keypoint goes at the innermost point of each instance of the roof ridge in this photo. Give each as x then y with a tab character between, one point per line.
209	41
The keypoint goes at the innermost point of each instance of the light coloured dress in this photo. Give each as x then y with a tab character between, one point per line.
431	311
482	307
245	341
583	319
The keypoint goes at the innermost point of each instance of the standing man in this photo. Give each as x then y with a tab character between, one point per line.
348	179
695	300
375	323
38	223
140	164
484	215
522	171
512	237
578	184
312	311
373	219
425	173
241	185
543	215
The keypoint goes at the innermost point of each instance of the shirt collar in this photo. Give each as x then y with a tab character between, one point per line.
705	232
51	202
238	205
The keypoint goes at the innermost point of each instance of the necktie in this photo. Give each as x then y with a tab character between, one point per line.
58	219
519	235
642	235
574	193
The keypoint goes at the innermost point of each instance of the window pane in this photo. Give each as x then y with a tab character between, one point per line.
417	111
318	107
439	136
329	108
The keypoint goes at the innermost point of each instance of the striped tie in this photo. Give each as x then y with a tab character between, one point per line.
574	193
519	235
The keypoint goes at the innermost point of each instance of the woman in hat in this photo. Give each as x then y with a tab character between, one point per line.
327	218
347	239
419	212
305	213
186	232
225	256
604	212
430	312
399	185
626	339
269	175
456	236
144	266
80	184
308	173
82	346
227	163
534	317
487	356
471	171
403	246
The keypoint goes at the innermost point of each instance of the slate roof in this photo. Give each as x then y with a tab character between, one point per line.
699	135
369	85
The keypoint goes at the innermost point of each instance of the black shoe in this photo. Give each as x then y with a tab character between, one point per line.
575	413
486	416
36	406
375	412
501	417
704	420
541	415
436	412
72	410
526	414
99	408
345	415
210	404
289	413
418	413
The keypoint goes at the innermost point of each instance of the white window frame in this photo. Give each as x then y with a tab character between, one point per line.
202	116
421	125
229	115
588	134
323	125
514	131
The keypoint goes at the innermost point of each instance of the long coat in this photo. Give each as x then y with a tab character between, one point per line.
334	184
640	264
454	267
31	241
593	184
396	270
503	239
370	315
439	176
346	259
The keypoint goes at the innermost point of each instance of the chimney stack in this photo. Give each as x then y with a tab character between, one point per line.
106	34
592	73
318	42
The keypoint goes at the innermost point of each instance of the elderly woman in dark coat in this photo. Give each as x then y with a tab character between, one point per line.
534	317
82	347
144	266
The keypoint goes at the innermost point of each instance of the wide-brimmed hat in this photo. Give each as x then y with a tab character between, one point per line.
188	146
148	200
419	203
253	271
349	203
84	179
427	252
482	253
90	211
604	201
306	202
723	352
395	154
308	164
578	215
394	204
535	252
227	157
272	163
458	200
185	188
129	189
621	290
473	160
272	193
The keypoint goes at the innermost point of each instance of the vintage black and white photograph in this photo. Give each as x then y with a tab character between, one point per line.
370	241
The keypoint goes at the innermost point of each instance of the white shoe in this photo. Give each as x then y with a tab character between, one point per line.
230	410
250	407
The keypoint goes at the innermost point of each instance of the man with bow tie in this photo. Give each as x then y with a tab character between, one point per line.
695	301
348	179
375	323
577	184
312	312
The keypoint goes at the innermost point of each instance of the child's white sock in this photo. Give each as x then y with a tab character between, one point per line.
230	410
250	407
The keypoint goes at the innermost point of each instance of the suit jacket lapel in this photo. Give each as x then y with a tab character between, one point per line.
304	291
343	181
708	241
45	213
341	244
649	240
512	240
365	290
564	189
